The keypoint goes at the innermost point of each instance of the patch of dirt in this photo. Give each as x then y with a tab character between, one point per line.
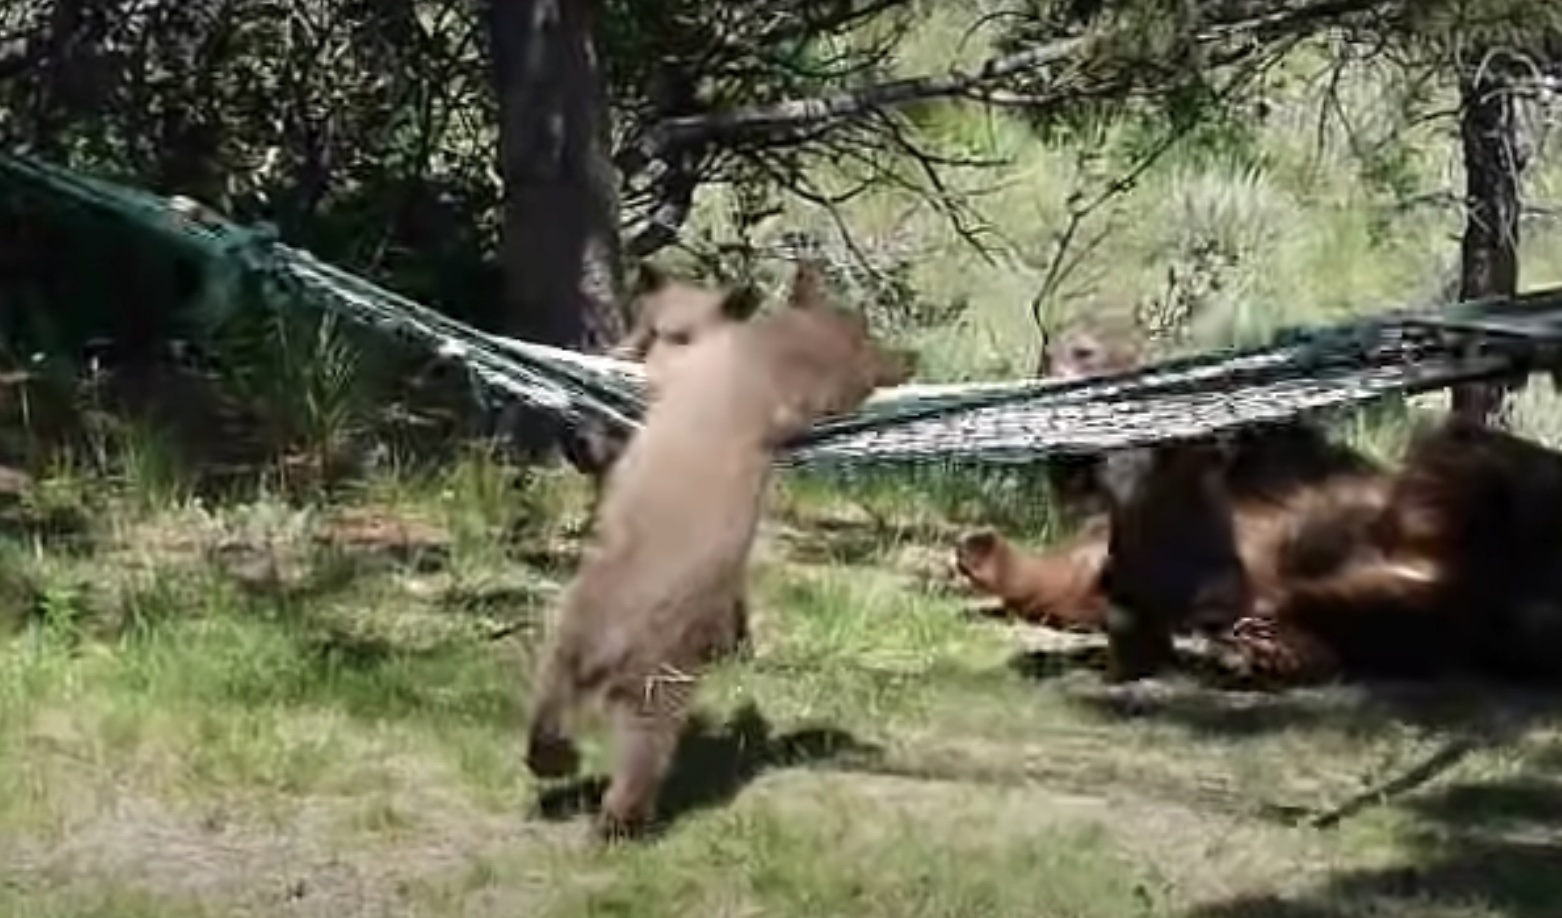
858	538
378	532
302	865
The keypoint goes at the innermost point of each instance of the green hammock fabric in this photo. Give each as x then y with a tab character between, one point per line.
1302	370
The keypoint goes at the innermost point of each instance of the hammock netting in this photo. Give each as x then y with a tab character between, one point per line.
1301	371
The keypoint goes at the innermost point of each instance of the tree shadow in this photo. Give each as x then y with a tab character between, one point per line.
1467	715
1509	878
1362	706
1525	801
1491	848
713	764
1043	665
1474	845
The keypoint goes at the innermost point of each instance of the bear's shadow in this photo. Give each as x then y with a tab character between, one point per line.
713	764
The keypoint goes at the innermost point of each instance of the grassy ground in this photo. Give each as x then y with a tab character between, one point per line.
270	708
283	709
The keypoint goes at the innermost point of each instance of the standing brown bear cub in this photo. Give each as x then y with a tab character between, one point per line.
652	603
669	315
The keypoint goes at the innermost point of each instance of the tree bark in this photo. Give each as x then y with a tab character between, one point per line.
1494	160
560	247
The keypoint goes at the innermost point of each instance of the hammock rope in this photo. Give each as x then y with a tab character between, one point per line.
1302	371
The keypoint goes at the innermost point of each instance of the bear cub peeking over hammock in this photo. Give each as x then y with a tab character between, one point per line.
669	315
657	595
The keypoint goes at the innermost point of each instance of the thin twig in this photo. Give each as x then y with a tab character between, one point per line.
1059	265
1446	757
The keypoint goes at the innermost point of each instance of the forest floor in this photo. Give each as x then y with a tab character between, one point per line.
270	709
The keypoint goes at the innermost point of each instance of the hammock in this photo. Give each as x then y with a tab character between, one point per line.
1302	371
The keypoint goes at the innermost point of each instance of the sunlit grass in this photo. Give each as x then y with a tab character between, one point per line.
311	700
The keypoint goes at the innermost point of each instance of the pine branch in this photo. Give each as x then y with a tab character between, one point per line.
781	118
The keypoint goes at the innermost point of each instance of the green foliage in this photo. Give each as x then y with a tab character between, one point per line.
181	669
1210	129
1452	29
305	375
382	160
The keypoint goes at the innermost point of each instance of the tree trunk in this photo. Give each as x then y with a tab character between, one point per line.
560	247
1494	160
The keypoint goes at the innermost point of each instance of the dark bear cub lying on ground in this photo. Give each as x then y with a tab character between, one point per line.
1460	572
1453	563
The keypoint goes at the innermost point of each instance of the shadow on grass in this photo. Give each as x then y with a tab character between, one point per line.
1201	697
552	558
1523	802
1511	879
1044	665
520	607
714	763
1463	706
61	527
1467	715
1485	849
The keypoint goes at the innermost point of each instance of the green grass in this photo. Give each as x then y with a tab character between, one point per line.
280	707
260	709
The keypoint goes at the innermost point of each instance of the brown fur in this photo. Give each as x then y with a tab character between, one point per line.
1273	462
1172	556
672	314
1293	496
669	315
1305	532
1058	589
1266	462
1459	572
1079	353
1300	508
652	602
